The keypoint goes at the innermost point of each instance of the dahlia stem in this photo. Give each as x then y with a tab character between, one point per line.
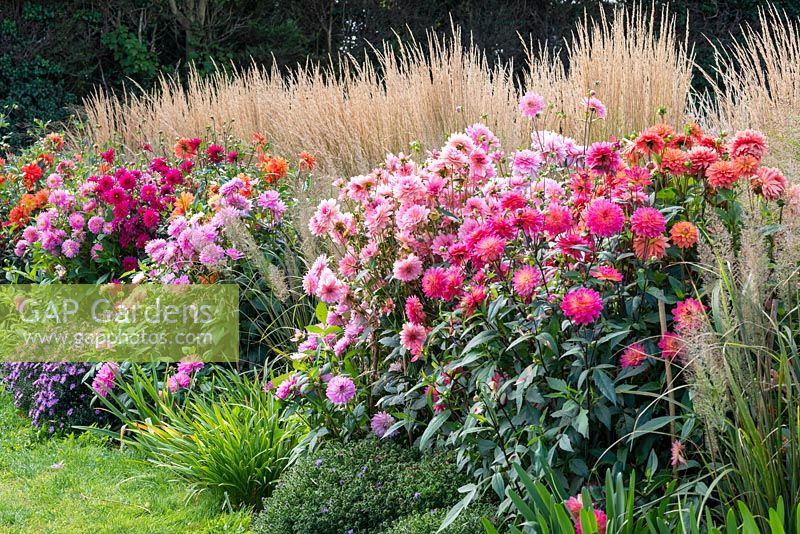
662	316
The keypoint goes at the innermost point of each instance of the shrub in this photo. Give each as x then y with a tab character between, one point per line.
360	486
468	522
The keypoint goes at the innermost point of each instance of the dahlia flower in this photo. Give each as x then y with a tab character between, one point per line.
769	182
340	390
689	316
647	222
381	423
582	306
531	105
683	234
633	356
526	280
604	218
412	338
722	174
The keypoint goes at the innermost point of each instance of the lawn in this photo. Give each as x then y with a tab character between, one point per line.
81	484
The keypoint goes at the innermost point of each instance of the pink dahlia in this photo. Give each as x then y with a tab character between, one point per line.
671	345
604	218
689	316
340	390
600	518
531	104
190	366
414	311
769	182
701	158
748	142
105	379
178	381
526	280
722	174
603	157
648	222
490	248
408	268
582	306
594	105
677	454
557	220
633	356
531	221
412	338
607	273
330	289
434	282
288	387
575	504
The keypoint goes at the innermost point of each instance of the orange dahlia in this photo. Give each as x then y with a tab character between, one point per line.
684	234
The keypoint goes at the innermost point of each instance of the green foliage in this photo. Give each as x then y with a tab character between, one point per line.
230	439
133	57
540	510
468	522
756	454
362	486
80	484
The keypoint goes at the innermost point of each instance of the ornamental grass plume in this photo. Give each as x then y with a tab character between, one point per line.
355	110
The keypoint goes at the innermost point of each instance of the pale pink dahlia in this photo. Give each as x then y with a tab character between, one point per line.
531	104
594	105
412	338
677	454
408	268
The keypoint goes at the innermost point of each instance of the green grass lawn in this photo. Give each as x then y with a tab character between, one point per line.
80	484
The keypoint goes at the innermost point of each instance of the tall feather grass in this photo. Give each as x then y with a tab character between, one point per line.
351	112
756	84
